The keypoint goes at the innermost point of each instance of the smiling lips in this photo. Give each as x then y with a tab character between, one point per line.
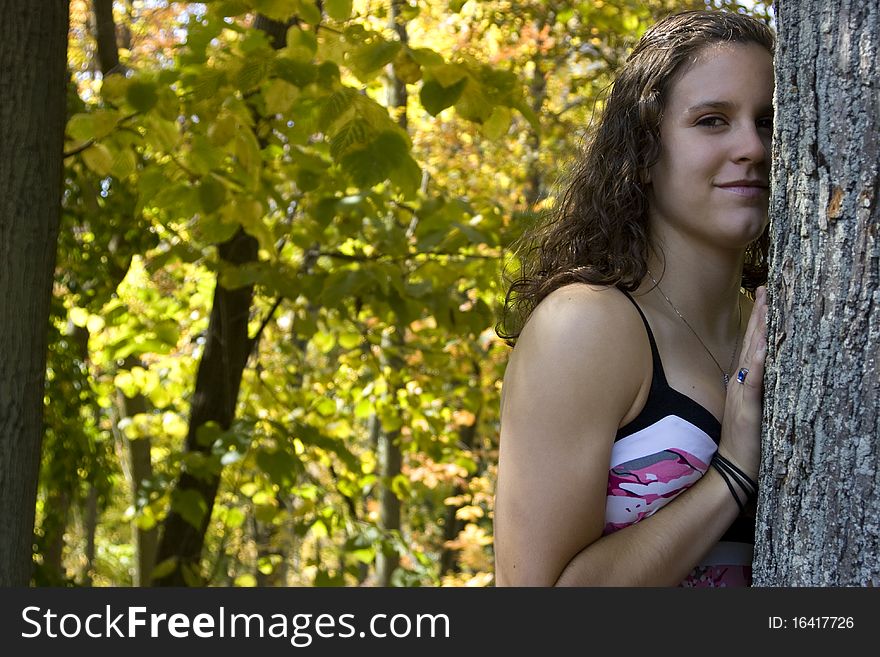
746	188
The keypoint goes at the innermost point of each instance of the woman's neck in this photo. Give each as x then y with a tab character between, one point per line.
702	284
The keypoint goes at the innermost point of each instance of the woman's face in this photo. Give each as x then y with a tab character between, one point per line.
711	180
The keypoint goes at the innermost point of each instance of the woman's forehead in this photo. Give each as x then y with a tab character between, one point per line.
730	74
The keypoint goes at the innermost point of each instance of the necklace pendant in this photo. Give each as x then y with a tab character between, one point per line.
726	379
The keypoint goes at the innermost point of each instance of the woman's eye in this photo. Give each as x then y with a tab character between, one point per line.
711	121
766	123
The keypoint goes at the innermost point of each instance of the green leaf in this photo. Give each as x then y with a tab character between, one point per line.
164	568
528	114
162	135
281	466
167	331
233	7
212	194
251	73
277	10
301	44
474	104
498	123
349	340
141	95
216	229
208	433
190	505
338	10
326	407
375	162
324	341
81	126
357	133
337	106
426	57
436	98
307	180
309	12
99	159
204	156
222	129
124	163
247	150
93	125
367	60
406	68
280	96
235	518
407	176
449	74
113	87
299	73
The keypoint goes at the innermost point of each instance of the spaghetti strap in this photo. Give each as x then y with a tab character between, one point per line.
659	378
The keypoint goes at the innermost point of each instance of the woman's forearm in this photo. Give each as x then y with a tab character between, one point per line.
662	549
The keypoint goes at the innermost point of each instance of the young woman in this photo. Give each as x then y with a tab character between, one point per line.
632	402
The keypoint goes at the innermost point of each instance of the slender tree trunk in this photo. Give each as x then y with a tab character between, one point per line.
452	525
90	526
139	470
53	556
218	380
216	392
105	37
534	190
820	482
33	55
390	456
140	467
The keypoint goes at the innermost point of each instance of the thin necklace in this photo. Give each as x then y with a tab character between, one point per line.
725	377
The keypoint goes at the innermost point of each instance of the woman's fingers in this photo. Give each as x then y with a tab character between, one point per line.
756	350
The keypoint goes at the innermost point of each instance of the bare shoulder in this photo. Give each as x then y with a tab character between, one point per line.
580	337
569	307
578	319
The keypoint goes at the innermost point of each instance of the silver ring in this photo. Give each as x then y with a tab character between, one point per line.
741	375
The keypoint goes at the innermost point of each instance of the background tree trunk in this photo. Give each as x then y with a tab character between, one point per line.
33	56
819	507
390	456
105	37
218	381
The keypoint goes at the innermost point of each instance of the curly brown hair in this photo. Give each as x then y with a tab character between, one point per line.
598	232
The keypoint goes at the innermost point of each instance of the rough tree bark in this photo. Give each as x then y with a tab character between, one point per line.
33	56
819	506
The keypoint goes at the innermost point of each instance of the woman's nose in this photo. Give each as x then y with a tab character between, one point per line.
750	144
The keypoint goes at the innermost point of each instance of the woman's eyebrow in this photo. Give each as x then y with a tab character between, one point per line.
704	105
720	105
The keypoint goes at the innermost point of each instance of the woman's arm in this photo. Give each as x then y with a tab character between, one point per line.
578	368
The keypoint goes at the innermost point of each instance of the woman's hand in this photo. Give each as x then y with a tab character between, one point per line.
741	426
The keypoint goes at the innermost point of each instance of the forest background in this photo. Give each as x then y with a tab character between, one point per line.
272	358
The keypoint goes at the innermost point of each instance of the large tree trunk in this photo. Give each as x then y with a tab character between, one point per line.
820	481
33	56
